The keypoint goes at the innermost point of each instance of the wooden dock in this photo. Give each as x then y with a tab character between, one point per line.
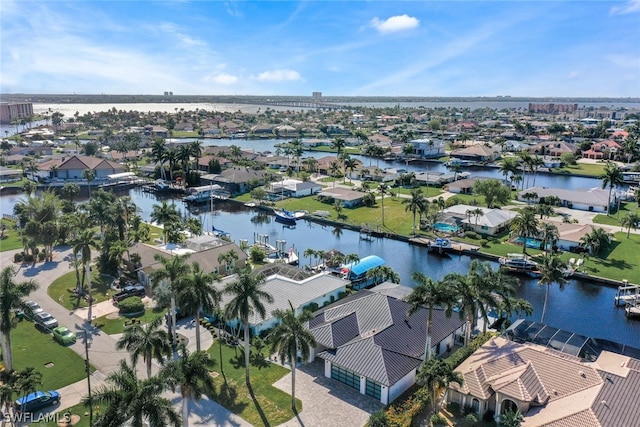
457	247
629	294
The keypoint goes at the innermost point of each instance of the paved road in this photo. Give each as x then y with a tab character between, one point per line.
102	347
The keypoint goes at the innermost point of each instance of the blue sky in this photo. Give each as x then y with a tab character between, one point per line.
352	48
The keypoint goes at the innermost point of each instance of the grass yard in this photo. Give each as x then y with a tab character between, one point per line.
59	289
10	238
32	348
116	326
614	219
587	169
79	410
273	403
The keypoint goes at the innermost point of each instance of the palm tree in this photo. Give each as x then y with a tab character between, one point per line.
338	144
82	245
311	163
509	166
428	293
11	294
130	400
525	161
550	235
612	177
198	294
247	298
630	220
552	270
164	214
334	171
383	190
436	373
350	165
190	373
382	273
27	380
417	203
150	341
195	149
228	259
290	337
174	271
536	163
90	176
597	240
525	224
6	398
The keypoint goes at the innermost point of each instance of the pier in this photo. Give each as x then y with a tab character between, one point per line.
628	294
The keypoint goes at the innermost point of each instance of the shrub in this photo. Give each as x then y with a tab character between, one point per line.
472	235
469	420
378	419
41	255
28	258
131	305
257	254
462	353
438	420
454	408
18	257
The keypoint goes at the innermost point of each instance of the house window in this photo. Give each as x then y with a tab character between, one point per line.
346	377
373	389
475	405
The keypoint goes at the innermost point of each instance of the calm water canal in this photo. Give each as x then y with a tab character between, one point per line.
582	307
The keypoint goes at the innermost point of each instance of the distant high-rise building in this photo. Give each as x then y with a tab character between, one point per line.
168	94
10	111
552	108
316	95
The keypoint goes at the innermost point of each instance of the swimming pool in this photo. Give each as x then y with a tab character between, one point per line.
448	228
531	242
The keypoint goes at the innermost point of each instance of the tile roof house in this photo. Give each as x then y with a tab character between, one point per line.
549	387
551	148
235	180
602	149
71	168
585	199
477	152
368	342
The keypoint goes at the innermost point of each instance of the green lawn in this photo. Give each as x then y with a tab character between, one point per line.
79	409
620	262
59	289
272	402
154	233
426	191
32	348
116	326
184	134
614	219
10	239
587	169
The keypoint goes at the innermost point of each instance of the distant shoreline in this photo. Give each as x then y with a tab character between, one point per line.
231	99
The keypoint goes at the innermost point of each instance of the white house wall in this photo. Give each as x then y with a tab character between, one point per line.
401	386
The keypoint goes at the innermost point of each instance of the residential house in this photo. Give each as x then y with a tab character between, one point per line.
236	180
68	168
203	162
9	175
324	164
286	131
294	188
289	285
476	153
203	252
585	199
263	131
551	148
602	150
462	186
553	377
428	147
370	343
156	131
348	198
439	178
570	234
489	222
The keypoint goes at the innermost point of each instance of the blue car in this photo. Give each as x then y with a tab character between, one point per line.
37	400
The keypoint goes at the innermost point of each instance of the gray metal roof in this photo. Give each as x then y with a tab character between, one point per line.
387	344
618	403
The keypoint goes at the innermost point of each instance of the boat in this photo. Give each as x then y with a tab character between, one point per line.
286	217
518	263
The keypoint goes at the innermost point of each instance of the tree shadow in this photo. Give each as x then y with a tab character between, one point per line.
263	417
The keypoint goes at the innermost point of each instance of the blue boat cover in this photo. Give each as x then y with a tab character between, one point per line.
365	264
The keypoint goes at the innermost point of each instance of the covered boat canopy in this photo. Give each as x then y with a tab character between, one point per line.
365	264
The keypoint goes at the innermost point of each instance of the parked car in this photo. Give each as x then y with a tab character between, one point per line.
31	308
63	335
129	291
36	400
45	320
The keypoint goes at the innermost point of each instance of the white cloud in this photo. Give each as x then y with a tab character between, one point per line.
573	74
630	6
223	79
279	76
625	61
395	24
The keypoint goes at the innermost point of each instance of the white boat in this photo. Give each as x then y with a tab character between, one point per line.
518	263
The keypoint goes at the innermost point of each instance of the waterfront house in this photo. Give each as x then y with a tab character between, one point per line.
10	175
489	222
476	153
235	180
462	186
564	379
204	161
287	284
602	150
70	168
551	148
203	252
585	199
294	188
428	147
369	342
348	198
570	233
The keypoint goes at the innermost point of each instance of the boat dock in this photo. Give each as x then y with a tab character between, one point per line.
628	294
438	244
278	253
